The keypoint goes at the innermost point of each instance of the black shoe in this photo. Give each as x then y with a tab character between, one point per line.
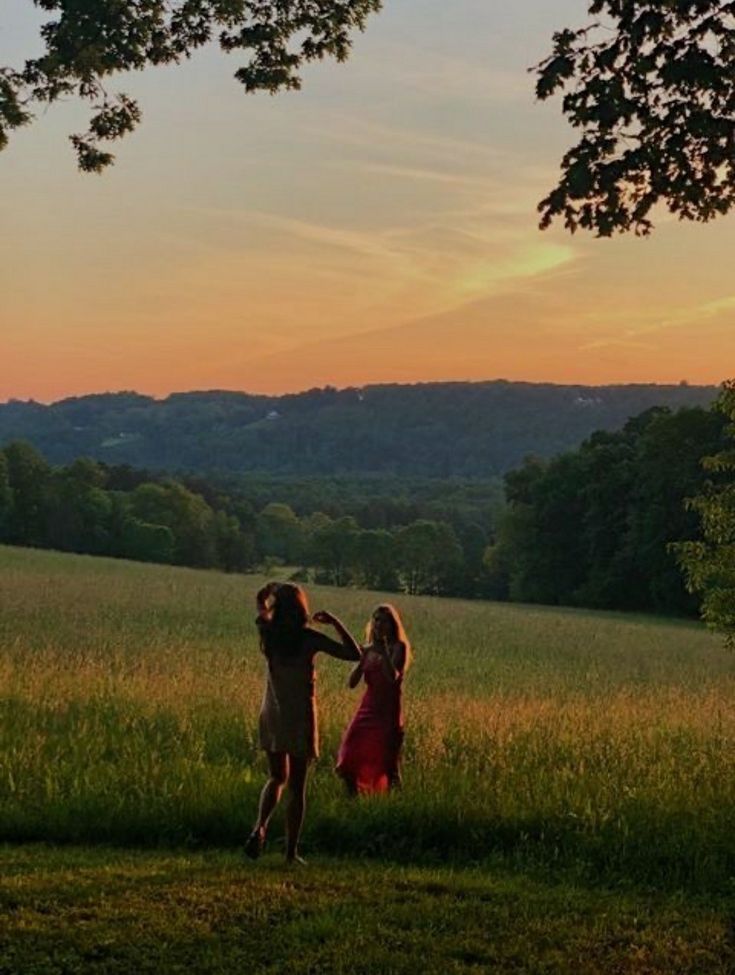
255	843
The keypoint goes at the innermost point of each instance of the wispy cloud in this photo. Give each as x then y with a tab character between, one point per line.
617	343
381	137
415	68
686	317
416	173
528	262
372	245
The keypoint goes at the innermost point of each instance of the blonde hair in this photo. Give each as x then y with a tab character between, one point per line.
399	632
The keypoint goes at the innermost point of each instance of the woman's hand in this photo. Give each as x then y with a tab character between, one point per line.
382	648
265	598
385	652
325	617
268	590
352	650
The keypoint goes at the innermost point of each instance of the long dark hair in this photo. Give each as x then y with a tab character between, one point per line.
281	629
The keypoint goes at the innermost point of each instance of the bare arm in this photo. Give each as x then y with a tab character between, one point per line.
355	676
347	649
262	597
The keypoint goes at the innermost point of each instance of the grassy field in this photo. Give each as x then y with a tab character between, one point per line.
121	912
569	787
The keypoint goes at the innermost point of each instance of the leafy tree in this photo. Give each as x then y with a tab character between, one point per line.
505	560
235	549
606	475
187	515
314	522
77	511
709	565
85	471
593	527
243	510
279	532
544	519
144	542
6	496
334	551
651	87
28	475
428	554
376	559
87	41
668	469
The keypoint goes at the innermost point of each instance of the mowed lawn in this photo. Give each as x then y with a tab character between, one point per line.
569	799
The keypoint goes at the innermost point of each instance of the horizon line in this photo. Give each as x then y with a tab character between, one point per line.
162	397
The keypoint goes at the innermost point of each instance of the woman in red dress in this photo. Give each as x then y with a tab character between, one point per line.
369	754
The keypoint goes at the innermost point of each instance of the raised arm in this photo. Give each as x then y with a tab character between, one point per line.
262	597
347	648
393	659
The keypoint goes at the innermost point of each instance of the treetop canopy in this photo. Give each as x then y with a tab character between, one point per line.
89	40
650	85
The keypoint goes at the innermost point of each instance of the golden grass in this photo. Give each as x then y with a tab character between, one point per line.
130	696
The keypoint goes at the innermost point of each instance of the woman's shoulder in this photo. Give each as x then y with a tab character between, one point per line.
298	655
311	639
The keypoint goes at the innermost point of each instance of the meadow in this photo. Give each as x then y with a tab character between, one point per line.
569	785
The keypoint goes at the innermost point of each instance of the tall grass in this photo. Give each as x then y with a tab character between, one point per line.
552	738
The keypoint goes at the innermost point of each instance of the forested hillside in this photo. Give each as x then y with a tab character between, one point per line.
591	527
431	430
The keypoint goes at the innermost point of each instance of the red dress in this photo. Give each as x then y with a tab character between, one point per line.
368	754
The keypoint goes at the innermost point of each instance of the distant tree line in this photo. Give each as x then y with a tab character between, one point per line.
594	527
90	508
431	430
598	527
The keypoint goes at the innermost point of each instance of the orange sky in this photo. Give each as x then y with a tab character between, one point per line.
378	226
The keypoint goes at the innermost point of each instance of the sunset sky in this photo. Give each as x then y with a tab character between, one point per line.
378	226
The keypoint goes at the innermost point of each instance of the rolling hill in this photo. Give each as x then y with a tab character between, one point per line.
433	429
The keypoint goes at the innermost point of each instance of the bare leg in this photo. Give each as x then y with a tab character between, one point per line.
269	796
271	793
298	769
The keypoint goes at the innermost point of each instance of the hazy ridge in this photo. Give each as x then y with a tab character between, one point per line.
430	429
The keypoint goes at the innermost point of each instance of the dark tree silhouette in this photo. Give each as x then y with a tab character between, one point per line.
592	527
709	564
87	41
652	89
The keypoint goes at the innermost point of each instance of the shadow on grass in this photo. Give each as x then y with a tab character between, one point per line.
126	911
644	845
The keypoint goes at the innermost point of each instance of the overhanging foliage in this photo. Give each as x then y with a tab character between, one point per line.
651	86
87	41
